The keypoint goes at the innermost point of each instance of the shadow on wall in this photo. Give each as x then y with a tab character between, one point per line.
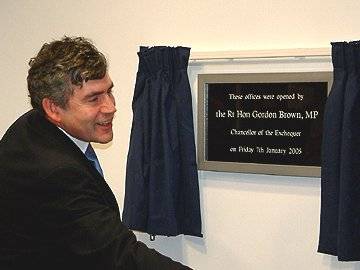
178	244
332	263
307	186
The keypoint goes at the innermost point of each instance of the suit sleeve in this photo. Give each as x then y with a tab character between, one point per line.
76	218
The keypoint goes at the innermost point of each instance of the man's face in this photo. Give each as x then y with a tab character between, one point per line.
90	110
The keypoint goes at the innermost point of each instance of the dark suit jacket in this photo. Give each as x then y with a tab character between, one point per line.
56	210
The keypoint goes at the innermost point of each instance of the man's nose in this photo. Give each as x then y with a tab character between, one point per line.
109	104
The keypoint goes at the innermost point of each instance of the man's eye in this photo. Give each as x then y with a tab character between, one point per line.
93	99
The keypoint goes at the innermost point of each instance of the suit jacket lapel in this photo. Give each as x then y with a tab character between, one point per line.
44	128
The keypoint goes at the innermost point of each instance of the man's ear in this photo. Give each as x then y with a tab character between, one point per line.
51	110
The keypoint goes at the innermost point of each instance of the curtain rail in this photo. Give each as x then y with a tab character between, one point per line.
278	53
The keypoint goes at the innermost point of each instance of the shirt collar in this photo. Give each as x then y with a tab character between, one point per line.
81	144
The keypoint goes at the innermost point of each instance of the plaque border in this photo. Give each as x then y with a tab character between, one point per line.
256	168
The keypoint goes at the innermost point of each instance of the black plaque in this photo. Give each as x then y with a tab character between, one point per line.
268	122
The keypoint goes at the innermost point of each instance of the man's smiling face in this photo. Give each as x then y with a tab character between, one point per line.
89	112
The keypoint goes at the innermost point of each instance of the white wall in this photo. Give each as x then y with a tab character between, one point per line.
249	221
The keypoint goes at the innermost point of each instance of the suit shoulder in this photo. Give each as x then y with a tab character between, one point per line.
19	125
33	146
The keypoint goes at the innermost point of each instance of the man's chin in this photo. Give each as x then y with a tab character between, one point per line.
104	139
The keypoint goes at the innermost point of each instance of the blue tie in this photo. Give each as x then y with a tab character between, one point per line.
90	154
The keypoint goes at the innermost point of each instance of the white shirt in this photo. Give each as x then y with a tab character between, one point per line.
81	144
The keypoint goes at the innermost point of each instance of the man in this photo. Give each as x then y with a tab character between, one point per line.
56	210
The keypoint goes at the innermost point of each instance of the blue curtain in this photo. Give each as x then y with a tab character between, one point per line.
340	172
162	191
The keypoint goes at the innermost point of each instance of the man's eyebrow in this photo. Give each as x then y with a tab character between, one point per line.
96	92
